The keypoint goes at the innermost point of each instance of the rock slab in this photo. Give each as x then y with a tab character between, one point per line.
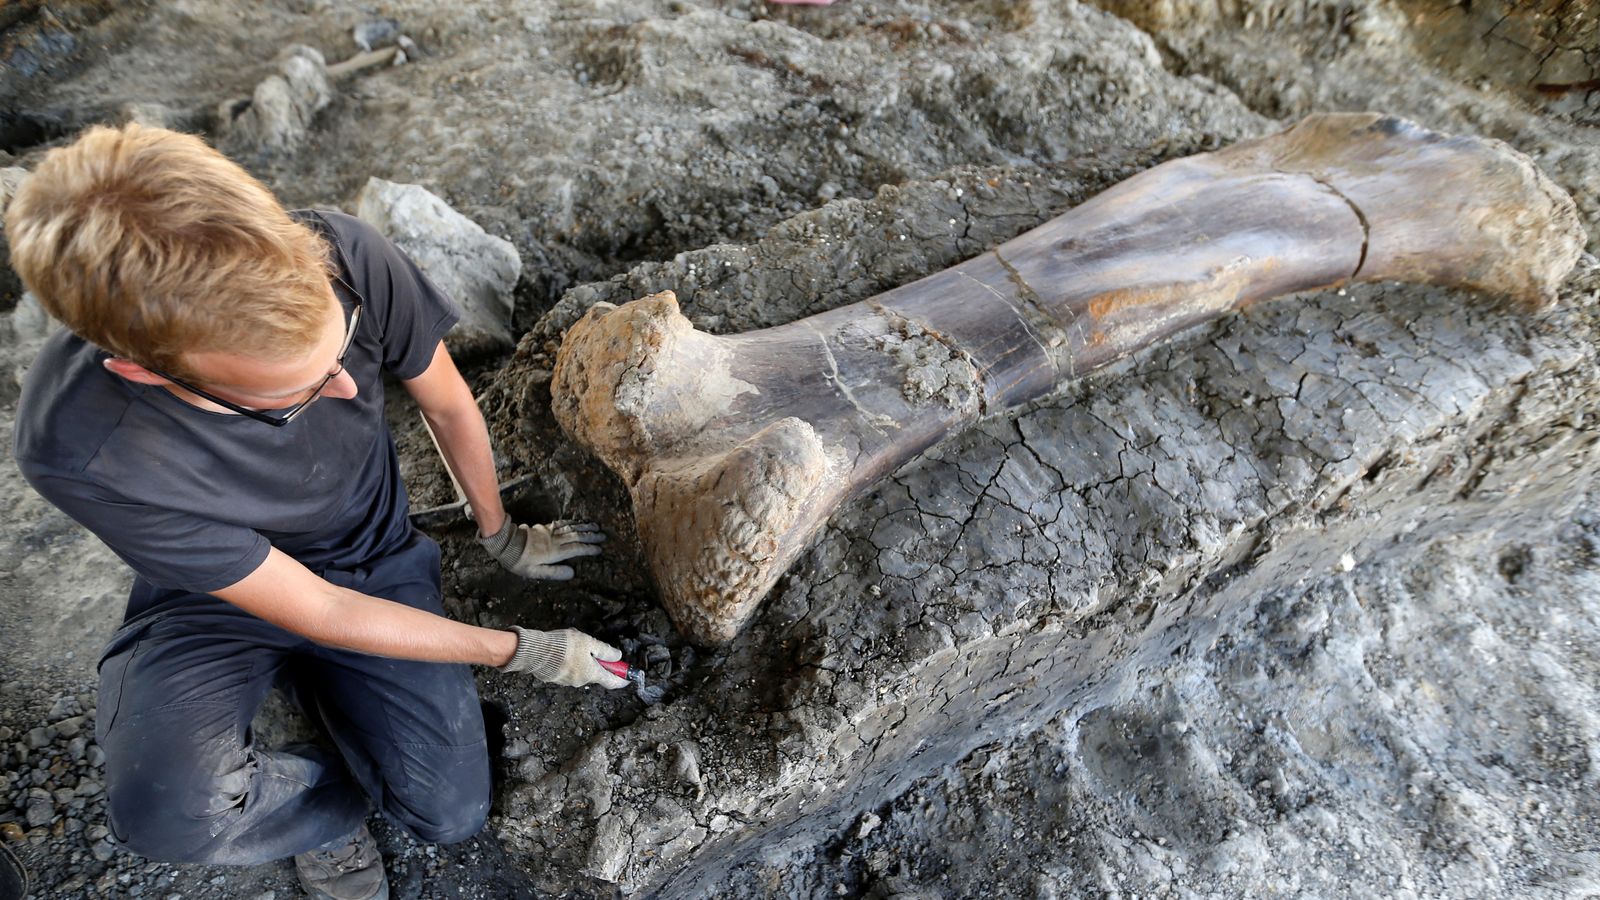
474	268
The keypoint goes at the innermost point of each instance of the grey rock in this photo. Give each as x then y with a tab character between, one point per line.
686	767
375	33
28	326
64	705
77	748
69	727
38	738
10	179
41	809
472	267
96	756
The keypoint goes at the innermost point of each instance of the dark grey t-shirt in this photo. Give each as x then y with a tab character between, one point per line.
193	499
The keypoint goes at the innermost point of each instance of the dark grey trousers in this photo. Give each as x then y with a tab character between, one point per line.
185	781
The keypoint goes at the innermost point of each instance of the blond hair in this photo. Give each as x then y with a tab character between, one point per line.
152	245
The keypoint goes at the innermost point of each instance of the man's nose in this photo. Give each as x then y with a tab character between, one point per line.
342	387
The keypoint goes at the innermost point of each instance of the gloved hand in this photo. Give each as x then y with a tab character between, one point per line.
531	550
566	656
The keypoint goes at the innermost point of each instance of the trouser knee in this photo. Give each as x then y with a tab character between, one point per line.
170	814
446	799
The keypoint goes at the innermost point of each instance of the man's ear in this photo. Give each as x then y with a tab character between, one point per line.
132	371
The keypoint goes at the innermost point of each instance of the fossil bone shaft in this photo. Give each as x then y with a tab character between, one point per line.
738	448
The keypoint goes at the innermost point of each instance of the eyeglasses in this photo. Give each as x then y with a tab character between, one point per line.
287	415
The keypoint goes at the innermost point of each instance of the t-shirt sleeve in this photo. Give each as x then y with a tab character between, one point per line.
165	547
411	313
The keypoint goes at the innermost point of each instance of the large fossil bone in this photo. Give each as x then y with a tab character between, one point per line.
737	449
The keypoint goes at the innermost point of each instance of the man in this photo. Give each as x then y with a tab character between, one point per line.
214	412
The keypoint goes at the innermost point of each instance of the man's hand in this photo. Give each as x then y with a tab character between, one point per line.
564	657
532	550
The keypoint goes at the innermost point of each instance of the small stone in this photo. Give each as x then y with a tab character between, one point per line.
77	747
40	809
96	833
375	33
11	832
686	767
62	796
38	738
869	822
102	850
97	757
64	706
89	788
69	727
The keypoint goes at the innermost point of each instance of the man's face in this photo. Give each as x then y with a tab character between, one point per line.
277	384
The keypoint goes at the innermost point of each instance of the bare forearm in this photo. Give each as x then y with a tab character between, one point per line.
287	594
356	621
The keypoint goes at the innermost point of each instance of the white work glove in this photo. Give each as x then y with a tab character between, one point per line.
532	550
566	656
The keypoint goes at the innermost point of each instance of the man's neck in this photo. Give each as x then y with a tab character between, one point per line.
196	400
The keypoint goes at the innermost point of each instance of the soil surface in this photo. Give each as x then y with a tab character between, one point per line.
1302	603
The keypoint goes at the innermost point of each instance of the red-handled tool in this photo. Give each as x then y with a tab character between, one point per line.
622	669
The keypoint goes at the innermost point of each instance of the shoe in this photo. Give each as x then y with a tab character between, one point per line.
351	871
